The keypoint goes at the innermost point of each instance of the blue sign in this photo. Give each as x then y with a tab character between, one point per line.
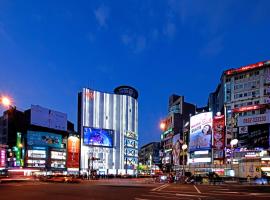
98	137
44	139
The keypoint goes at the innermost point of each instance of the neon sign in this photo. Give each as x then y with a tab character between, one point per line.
246	68
249	108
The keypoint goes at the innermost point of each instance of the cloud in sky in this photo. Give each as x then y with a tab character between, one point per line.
137	43
213	47
140	44
169	30
126	39
102	14
4	35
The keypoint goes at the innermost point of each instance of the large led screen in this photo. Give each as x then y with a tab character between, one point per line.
98	137
201	131
36	138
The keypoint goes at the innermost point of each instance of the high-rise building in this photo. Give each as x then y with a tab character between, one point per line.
246	102
149	154
108	125
179	113
36	139
243	95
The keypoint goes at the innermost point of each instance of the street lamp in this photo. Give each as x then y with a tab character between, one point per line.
5	101
162	126
90	159
233	143
184	147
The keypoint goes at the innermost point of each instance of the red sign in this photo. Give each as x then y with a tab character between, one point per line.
219	130
245	68
73	152
249	108
2	157
89	94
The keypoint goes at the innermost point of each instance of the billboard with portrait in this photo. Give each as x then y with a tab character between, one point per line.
219	132
36	138
201	131
176	149
98	137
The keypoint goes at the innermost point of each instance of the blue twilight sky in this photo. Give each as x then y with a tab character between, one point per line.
49	50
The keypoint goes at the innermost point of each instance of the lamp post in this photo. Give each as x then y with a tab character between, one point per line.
184	147
5	101
90	159
233	143
162	126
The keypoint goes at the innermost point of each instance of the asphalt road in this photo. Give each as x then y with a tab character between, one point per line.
129	189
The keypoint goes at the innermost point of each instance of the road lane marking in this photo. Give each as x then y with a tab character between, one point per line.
197	189
163	187
177	194
160	187
166	197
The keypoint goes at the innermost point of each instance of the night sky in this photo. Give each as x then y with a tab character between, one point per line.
49	50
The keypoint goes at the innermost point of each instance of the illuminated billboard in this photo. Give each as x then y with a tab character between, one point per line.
98	137
201	131
176	149
36	138
219	132
73	152
48	118
2	158
255	136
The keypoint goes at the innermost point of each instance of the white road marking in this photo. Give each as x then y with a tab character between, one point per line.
197	189
163	187
166	197
160	187
189	195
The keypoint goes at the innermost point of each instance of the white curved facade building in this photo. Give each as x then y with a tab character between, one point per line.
108	125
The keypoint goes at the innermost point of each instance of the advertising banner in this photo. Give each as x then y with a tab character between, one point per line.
176	149
201	131
36	138
2	158
98	137
131	143
256	136
73	152
219	131
48	118
253	120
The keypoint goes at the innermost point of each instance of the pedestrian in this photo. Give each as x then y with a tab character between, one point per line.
248	179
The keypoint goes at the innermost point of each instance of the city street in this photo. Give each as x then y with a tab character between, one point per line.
129	189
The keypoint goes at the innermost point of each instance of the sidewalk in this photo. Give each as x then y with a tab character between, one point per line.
16	180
